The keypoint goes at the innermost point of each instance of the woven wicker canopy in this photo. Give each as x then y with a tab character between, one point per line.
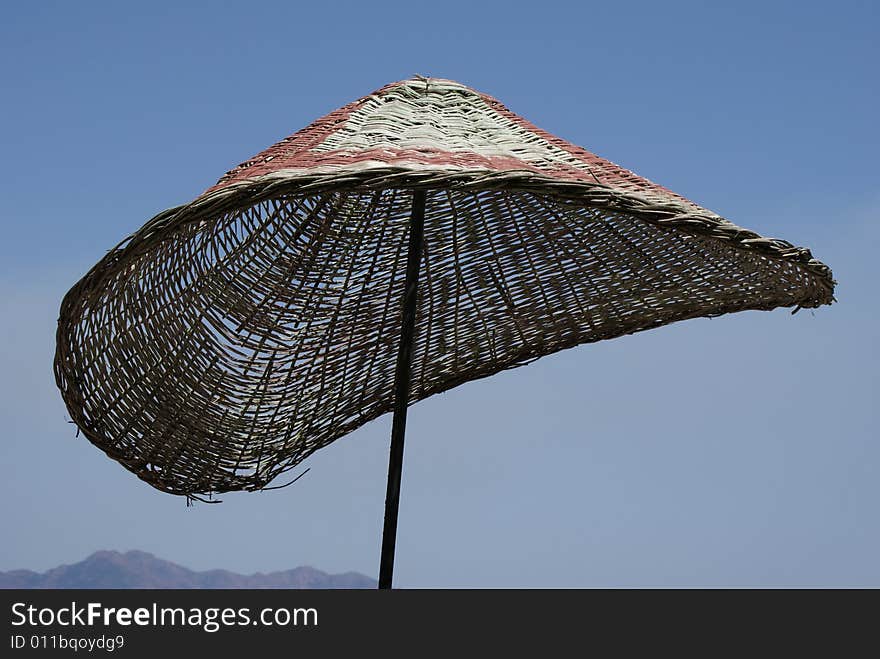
231	337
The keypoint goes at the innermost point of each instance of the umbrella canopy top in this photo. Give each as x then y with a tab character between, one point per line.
433	125
230	337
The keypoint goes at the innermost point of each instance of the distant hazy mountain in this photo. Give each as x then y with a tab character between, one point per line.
138	569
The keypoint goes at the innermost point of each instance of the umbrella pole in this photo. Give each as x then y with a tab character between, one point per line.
401	388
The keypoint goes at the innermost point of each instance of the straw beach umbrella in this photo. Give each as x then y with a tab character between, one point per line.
413	240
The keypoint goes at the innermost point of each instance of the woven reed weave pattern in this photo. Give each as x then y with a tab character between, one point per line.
230	338
439	124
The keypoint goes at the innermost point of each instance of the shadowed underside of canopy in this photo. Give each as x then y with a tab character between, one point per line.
231	337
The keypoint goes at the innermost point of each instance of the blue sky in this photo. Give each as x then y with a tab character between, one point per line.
737	451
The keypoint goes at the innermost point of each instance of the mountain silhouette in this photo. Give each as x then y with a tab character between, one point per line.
138	569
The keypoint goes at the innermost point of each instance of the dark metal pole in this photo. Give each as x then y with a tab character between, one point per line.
401	388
